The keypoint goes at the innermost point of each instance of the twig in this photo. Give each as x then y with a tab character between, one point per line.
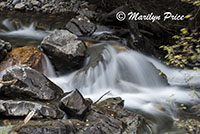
196	13
20	125
8	83
101	97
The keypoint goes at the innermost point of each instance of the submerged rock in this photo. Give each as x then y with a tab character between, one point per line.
75	105
64	50
30	84
5	47
27	55
12	108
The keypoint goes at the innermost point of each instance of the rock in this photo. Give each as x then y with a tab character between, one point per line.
64	50
106	117
30	85
5	47
110	117
35	2
3	4
20	6
10	108
75	105
59	127
27	55
81	25
14	2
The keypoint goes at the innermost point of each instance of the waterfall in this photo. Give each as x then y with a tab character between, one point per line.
131	76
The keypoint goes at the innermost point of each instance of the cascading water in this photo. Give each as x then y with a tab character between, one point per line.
126	74
23	32
131	76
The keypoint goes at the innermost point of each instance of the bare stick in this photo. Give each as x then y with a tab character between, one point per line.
8	83
26	120
101	97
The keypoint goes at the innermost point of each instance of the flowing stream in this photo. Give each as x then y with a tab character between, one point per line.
22	32
131	76
127	74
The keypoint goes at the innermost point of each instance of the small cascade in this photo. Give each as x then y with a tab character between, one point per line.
132	76
23	32
47	67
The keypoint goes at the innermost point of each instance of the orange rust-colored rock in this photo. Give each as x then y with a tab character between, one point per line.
27	55
89	44
120	48
116	47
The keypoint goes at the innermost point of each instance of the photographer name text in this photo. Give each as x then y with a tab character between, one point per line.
136	16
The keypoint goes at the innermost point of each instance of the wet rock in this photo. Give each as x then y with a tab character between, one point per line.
75	105
5	47
81	25
64	50
20	6
10	108
40	127
110	113
14	2
28	55
3	4
30	85
106	117
35	2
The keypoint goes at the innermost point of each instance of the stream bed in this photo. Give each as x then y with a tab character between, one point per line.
128	74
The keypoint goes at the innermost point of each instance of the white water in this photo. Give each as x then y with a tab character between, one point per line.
128	75
132	77
23	32
178	76
47	68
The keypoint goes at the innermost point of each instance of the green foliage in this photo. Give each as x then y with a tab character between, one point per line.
6	129
193	2
191	126
186	50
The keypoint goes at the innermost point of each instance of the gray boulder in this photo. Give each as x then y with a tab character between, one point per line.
75	105
64	50
10	108
5	47
30	85
81	25
20	6
106	117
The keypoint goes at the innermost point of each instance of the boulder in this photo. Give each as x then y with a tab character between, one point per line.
35	2
81	25
5	47
110	113
45	127
20	6
27	55
10	108
75	105
64	50
30	85
106	117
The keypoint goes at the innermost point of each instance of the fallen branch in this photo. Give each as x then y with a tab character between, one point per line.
8	83
20	125
101	97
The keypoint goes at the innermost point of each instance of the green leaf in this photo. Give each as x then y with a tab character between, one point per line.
188	16
184	31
